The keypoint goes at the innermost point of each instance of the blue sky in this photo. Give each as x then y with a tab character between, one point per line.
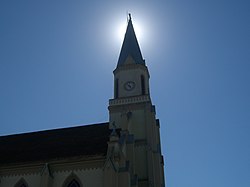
57	58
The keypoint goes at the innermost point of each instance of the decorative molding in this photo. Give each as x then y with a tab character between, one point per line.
46	169
131	66
129	100
68	164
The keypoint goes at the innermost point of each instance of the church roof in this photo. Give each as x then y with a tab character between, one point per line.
130	46
54	144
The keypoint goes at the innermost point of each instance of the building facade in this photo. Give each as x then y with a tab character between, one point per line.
123	152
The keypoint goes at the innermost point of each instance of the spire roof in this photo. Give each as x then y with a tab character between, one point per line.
130	47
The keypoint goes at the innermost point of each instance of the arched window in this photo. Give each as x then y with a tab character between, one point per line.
73	183
21	183
142	85
116	88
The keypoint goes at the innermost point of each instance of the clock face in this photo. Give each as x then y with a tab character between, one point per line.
130	85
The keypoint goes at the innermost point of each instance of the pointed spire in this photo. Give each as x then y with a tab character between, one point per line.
130	47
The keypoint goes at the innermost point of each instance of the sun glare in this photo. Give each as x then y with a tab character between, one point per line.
121	29
138	31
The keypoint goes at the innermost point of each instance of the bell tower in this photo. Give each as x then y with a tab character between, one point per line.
134	151
131	74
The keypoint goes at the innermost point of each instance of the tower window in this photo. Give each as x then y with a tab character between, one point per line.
116	88
142	85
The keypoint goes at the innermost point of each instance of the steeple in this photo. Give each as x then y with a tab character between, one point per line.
134	155
130	47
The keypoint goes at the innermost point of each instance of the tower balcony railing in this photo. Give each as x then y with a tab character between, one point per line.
129	100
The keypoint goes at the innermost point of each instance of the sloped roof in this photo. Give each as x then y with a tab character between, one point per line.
130	46
47	145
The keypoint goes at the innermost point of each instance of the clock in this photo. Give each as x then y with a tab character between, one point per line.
129	85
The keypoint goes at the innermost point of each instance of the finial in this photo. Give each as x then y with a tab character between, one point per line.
129	17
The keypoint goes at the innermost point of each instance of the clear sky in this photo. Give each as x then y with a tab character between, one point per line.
57	58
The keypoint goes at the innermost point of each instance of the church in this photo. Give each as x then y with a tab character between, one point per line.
122	152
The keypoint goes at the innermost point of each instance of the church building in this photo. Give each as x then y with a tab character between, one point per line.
123	152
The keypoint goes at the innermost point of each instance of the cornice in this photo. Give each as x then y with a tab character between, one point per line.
129	67
68	164
130	100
